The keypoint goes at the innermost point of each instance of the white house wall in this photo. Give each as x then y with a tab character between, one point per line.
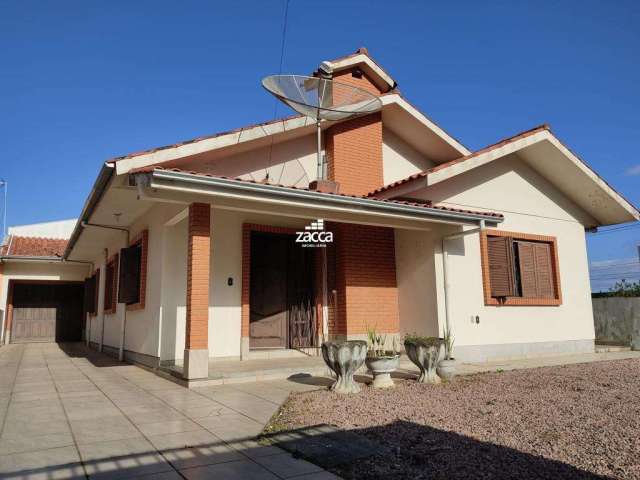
530	205
399	159
416	279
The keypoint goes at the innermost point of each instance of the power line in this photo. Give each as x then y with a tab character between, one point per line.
275	100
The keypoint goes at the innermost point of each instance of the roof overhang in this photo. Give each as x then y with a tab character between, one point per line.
382	79
549	157
398	115
167	185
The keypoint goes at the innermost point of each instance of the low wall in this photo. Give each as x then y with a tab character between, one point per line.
617	320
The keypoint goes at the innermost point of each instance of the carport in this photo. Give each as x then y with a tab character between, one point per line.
44	311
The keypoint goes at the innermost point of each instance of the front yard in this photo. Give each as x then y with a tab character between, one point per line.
577	421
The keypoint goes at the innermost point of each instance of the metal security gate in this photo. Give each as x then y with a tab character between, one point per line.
46	312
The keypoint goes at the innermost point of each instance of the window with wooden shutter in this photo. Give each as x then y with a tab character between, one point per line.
520	269
91	293
130	274
501	273
111	285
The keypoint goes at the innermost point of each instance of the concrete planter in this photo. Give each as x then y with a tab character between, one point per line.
446	369
425	355
344	359
382	368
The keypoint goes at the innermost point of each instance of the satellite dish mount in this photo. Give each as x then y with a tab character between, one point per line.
321	99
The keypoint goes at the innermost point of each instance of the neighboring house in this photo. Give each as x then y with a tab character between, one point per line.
195	255
40	295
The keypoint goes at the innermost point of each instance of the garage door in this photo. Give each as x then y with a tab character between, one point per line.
46	312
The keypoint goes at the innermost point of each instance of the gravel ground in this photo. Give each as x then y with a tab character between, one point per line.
576	421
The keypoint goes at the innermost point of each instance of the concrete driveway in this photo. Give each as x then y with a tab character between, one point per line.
69	412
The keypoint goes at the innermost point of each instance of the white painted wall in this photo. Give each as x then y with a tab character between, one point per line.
36	271
416	278
530	205
56	229
399	159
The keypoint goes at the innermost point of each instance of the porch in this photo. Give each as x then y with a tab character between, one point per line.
251	275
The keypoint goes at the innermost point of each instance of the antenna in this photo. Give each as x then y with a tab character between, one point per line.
321	99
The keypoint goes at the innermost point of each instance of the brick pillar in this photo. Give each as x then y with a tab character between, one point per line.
196	353
365	270
354	153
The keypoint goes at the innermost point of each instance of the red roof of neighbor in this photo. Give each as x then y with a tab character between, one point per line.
442	166
33	247
425	204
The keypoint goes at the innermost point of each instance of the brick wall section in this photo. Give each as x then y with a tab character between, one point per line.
197	332
367	293
363	82
354	154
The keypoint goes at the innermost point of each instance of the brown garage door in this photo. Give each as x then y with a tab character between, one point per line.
46	312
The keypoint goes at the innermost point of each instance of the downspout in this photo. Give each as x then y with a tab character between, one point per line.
124	313
445	275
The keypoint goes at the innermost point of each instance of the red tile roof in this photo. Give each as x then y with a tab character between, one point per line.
33	247
424	204
442	166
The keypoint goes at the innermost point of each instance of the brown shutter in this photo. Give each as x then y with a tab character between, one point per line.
500	266
108	287
129	291
544	271
91	294
536	271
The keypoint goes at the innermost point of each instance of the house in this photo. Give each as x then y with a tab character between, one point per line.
227	246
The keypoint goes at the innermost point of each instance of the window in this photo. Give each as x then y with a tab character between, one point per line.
91	293
133	272
111	285
520	269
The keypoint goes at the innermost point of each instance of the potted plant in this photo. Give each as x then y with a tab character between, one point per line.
382	363
344	359
424	352
447	366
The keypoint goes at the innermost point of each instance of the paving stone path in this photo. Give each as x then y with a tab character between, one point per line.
69	412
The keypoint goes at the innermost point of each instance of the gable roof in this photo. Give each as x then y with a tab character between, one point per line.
545	153
37	247
445	165
427	130
363	60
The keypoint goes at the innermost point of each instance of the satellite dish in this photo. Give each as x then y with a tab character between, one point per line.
321	99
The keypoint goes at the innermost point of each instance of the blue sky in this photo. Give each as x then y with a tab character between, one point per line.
82	82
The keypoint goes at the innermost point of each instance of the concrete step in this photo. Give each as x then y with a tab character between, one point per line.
612	348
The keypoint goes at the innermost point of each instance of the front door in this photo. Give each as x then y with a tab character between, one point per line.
268	292
282	309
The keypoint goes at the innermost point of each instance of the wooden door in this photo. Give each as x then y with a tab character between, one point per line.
268	292
46	312
34	324
300	296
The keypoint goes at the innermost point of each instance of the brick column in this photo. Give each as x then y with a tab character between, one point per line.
196	353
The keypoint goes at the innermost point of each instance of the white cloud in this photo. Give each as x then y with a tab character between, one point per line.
633	171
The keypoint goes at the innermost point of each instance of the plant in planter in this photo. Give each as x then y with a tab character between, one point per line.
382	363
424	352
344	359
447	366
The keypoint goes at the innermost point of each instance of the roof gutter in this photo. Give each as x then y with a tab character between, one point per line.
170	180
99	186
